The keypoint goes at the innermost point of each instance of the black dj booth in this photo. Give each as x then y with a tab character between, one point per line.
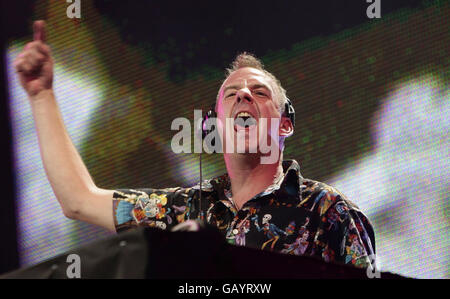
156	254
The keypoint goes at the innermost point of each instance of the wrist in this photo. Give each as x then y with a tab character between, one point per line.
43	95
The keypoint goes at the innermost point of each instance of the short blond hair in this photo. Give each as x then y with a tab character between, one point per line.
249	60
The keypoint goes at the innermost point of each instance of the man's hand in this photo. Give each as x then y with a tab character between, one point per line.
34	64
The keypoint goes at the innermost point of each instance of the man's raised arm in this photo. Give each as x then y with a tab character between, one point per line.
72	184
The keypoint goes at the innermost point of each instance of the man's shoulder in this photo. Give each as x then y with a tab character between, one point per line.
319	195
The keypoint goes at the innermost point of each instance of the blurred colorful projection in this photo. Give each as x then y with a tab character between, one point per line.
47	232
403	186
384	146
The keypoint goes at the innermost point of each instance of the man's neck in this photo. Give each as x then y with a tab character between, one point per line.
249	177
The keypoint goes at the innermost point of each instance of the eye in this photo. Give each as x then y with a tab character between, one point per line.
260	93
230	95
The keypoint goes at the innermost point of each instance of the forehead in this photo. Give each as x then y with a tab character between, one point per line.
247	76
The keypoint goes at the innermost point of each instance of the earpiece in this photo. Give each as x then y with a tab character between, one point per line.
289	111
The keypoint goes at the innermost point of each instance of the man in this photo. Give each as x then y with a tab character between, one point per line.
259	204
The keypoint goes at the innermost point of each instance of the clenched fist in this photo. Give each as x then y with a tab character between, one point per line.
34	65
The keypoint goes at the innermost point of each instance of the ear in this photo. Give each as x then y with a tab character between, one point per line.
286	127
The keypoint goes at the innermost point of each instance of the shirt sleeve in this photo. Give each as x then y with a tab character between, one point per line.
346	235
161	208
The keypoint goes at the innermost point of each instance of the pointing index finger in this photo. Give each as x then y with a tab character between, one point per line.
39	31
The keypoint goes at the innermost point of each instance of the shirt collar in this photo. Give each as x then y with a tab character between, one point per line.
287	186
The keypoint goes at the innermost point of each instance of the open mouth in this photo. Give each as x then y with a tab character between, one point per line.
244	120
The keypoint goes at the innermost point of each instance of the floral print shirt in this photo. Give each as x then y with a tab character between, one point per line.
293	216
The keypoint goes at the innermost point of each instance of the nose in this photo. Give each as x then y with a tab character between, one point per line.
244	94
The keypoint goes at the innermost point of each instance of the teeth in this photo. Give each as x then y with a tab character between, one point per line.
243	114
244	119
